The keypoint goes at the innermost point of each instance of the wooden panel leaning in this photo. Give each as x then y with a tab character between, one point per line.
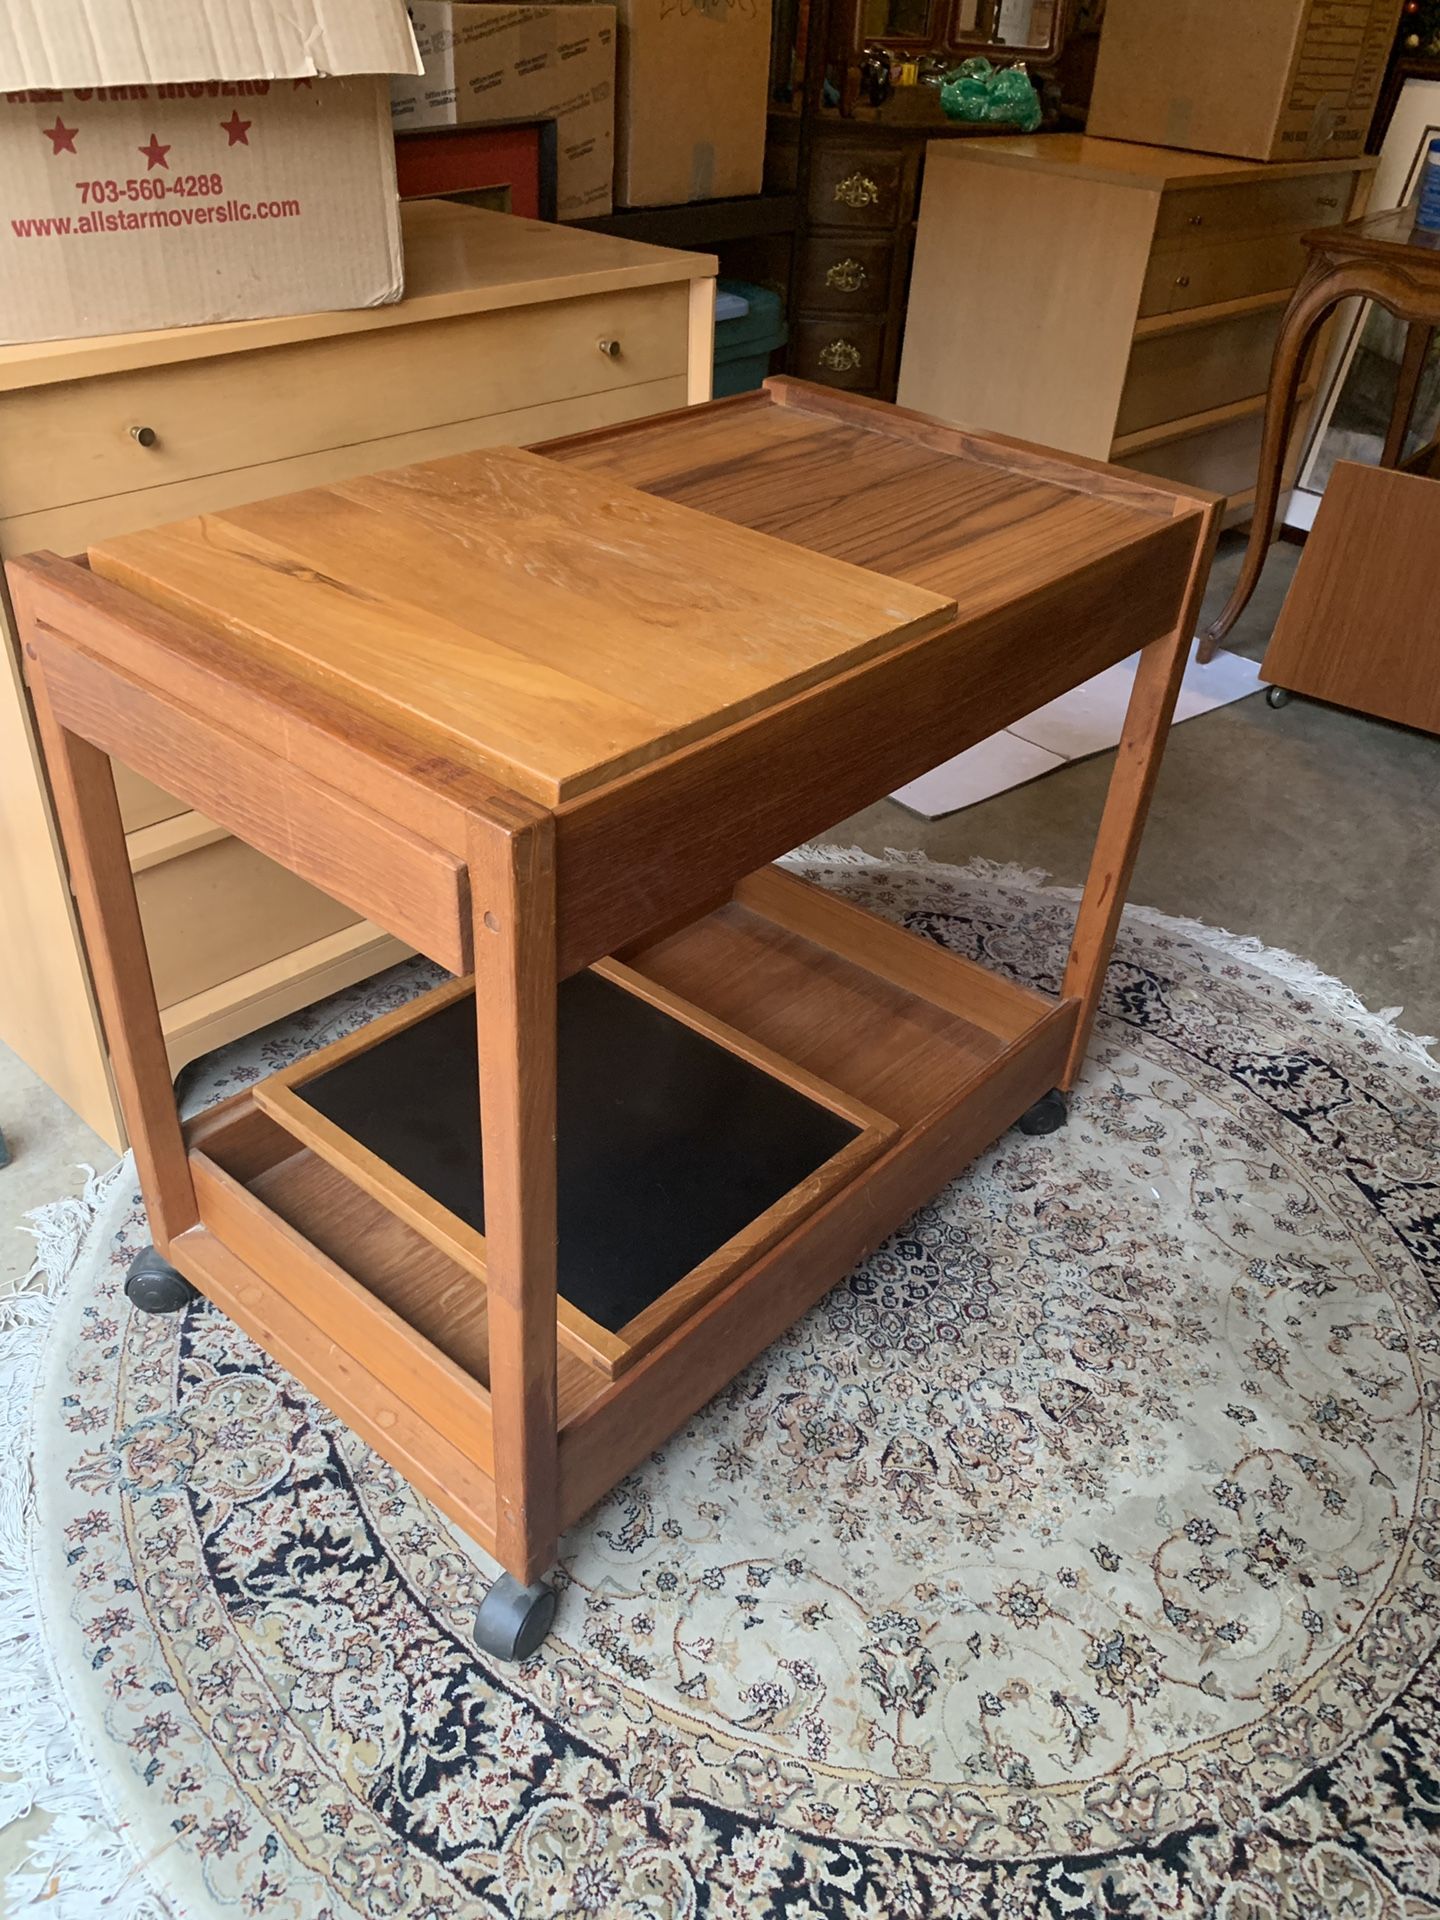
518	1231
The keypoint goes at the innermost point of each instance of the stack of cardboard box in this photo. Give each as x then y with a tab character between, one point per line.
230	160
668	102
1259	79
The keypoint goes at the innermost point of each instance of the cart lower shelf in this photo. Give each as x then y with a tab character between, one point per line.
777	1084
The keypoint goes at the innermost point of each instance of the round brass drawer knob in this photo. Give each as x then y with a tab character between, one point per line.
146	436
1182	279
610	348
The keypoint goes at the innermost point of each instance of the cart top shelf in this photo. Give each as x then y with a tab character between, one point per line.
557	622
558	628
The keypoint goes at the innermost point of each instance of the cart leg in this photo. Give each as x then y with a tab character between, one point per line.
1137	766
512	879
89	816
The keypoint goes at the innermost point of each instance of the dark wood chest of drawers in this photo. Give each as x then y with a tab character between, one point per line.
860	194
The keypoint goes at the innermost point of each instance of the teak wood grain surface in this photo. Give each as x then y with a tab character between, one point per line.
560	627
532	711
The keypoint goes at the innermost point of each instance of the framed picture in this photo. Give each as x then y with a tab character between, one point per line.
1357	386
508	167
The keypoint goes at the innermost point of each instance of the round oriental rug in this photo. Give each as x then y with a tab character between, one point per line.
1079	1555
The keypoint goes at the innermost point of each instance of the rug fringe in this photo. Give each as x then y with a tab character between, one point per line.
81	1864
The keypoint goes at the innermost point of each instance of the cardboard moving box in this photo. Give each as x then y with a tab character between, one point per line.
694	85
173	162
1260	79
491	64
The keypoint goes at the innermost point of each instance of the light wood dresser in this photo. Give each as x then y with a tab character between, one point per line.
511	332
1112	300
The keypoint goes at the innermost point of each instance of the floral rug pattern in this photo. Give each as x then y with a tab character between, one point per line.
1079	1555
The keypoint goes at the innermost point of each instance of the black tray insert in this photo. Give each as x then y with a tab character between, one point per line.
667	1143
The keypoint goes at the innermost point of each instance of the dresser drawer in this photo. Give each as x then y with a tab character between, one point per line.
853	187
838	352
846	276
221	909
1172	375
1254	206
78	440
1194	275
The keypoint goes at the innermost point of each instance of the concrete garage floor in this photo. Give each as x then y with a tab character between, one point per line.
1316	830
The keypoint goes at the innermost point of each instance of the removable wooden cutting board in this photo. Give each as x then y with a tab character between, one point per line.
562	627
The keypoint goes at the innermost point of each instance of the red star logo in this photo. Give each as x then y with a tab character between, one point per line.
238	129
155	154
61	137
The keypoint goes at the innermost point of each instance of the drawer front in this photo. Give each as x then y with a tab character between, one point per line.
1224	459
1173	375
838	353
222	909
1192	275
1256	206
212	416
854	187
846	276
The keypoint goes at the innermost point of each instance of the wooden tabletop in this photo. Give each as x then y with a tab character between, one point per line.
1391	234
694	641
770	566
558	627
980	519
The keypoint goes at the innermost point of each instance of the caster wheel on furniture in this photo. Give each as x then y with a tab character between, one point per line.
1277	696
1048	1114
154	1286
513	1620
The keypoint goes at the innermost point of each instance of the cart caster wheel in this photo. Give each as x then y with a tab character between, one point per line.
154	1286
1048	1114
513	1620
1277	696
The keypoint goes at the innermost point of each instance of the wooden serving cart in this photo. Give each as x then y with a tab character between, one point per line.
546	717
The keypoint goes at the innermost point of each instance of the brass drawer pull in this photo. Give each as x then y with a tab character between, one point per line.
1328	200
841	356
857	190
845	276
146	436
1197	220
1182	279
610	348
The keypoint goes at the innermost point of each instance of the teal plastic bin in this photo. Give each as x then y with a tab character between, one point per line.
745	341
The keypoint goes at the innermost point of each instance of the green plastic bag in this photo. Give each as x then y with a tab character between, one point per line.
977	91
